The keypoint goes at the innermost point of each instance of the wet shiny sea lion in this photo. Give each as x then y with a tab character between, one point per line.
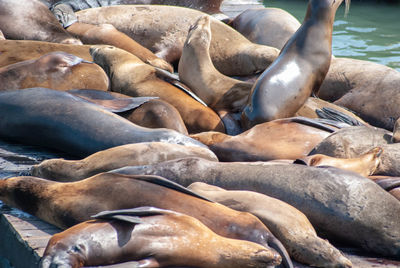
365	165
354	141
13	51
31	20
107	34
65	204
266	26
341	204
198	72
287	223
365	88
61	121
153	237
289	138
208	6
120	65
148	112
55	70
231	53
299	70
136	154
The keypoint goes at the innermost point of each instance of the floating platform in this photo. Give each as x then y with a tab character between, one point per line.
23	238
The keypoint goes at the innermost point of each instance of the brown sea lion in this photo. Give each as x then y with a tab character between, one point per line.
61	121
340	204
120	65
365	165
287	223
136	154
65	204
289	138
55	70
13	51
148	112
107	34
32	20
266	26
365	88
198	72
231	53
355	141
298	71
153	237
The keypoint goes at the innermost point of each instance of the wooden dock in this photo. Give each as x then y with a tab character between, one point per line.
23	238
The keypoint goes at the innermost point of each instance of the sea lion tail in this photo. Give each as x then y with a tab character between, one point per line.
278	246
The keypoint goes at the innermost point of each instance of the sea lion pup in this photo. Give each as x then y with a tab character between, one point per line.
13	51
120	67
365	165
287	223
365	88
153	237
32	20
198	72
289	138
148	112
340	204
136	154
231	53
266	26
59	120
65	204
355	141
298	71
55	70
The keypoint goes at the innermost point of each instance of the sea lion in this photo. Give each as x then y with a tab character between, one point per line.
120	65
13	51
287	223
107	34
365	88
153	237
289	138
340	204
354	141
266	26
298	71
148	112
55	70
231	53
365	165
136	154
32	20
208	6
65	204
396	131
64	122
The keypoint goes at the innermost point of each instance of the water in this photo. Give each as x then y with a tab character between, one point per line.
371	30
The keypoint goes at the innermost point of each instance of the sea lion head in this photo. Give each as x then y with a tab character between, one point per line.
58	61
200	32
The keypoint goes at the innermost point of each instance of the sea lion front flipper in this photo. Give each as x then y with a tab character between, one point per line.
108	101
333	114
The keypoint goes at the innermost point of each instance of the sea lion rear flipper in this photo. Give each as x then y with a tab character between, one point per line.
108	101
278	246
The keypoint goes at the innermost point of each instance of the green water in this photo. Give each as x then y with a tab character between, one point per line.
371	30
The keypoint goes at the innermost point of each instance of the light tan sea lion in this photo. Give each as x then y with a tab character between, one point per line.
365	165
55	70
153	237
32	20
136	154
287	223
65	204
163	30
120	65
300	69
107	34
266	26
289	138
